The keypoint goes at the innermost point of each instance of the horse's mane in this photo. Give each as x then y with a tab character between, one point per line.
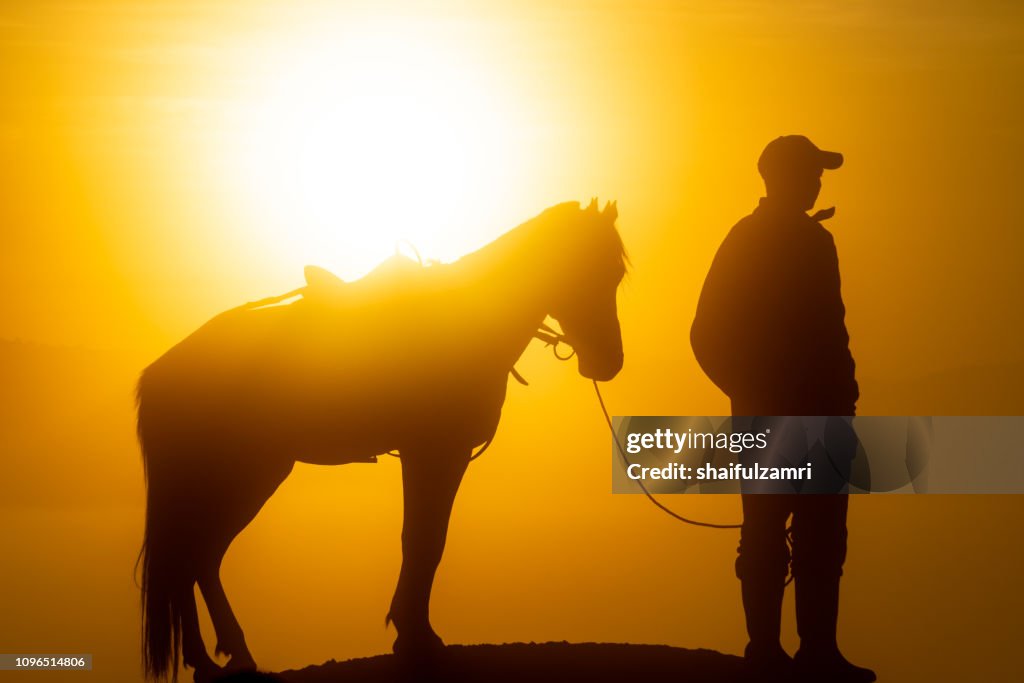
564	228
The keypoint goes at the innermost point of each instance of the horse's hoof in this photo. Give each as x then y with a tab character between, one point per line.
418	650
240	664
207	673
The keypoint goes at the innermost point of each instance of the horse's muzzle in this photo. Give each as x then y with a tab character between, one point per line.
602	371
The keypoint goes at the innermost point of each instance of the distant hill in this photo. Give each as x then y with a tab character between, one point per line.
530	663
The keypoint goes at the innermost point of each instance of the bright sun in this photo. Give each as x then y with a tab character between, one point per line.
380	134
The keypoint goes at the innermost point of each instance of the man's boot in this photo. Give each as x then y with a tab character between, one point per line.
817	615
764	658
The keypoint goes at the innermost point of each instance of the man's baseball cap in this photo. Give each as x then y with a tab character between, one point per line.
795	153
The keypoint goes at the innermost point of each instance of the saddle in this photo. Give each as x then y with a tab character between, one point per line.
392	275
324	287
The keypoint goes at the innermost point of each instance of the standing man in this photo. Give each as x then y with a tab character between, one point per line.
770	333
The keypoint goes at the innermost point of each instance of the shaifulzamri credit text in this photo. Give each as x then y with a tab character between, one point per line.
708	472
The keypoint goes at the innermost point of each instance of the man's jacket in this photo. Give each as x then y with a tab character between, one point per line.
769	329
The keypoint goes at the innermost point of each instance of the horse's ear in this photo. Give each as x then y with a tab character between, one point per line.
611	210
593	204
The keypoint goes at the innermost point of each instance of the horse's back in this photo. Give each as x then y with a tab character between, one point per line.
371	361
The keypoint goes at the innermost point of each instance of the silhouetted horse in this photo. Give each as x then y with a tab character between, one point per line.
409	359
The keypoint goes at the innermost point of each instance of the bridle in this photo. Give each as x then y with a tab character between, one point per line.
553	338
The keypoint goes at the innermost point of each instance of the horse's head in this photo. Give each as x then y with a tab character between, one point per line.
591	264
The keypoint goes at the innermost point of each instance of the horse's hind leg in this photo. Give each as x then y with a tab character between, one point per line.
429	483
240	503
193	651
230	639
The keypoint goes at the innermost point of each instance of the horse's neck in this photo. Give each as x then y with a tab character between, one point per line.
510	281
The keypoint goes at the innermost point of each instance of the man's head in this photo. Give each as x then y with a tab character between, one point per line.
791	166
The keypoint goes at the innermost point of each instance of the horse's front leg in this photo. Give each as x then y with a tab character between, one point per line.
430	479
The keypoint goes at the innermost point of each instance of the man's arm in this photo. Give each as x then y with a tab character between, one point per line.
837	369
728	330
751	334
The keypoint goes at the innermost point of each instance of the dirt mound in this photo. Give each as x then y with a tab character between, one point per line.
530	663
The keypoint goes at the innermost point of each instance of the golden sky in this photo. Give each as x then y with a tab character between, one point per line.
163	161
147	186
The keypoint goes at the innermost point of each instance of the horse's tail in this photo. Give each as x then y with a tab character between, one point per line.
165	583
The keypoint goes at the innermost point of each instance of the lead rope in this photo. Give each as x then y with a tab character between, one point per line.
671	513
657	503
553	338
